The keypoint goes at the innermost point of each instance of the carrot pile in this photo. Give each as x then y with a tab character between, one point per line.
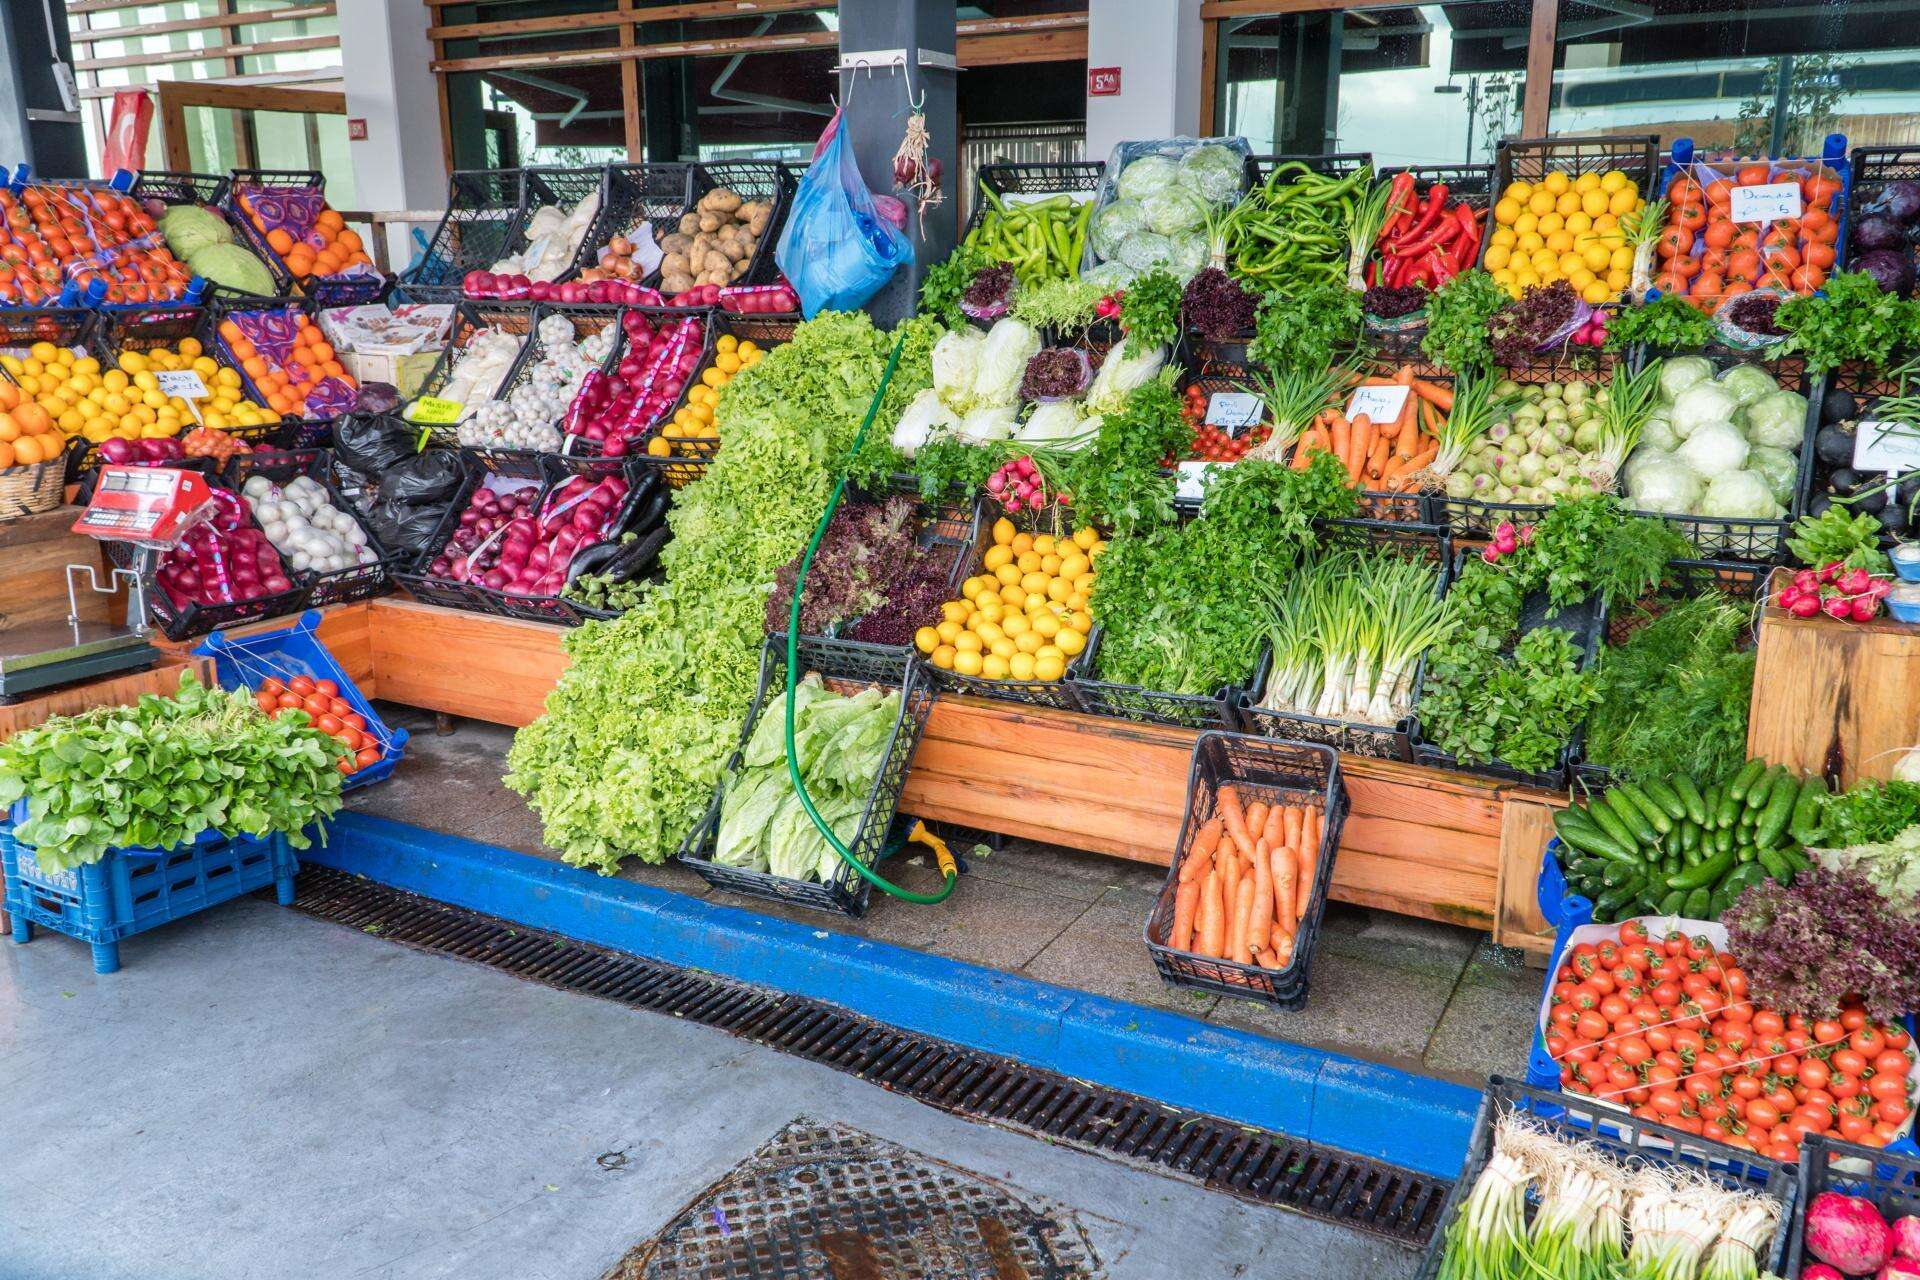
1382	456
1246	881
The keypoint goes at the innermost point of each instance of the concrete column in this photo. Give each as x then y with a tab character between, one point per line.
384	53
35	126
1156	44
877	114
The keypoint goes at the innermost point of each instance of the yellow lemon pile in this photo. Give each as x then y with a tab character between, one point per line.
693	421
1024	616
1564	228
125	401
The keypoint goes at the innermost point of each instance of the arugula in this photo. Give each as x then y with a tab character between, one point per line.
1457	316
1853	540
1674	697
1150	309
945	282
1668	323
1851	320
159	773
1306	326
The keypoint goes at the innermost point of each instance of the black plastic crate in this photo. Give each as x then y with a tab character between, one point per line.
327	291
1152	706
1079	178
342	586
1873	168
1380	742
1890	1179
1261	769
629	194
221	307
1531	159
753	180
1060	694
1625	1139
469	317
691	454
1864	383
587	319
847	892
1587	623
483	213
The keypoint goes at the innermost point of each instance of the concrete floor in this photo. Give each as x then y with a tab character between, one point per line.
1408	993
261	1094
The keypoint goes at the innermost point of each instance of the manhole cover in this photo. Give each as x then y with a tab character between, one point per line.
826	1202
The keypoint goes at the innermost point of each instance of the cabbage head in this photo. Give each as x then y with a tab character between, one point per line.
187	229
1003	362
1109	275
1146	175
1213	172
988	423
1714	449
1747	383
1701	404
1778	419
1659	434
1189	257
1144	250
1740	495
924	416
234	266
1780	469
1115	225
1680	372
1126	368
1173	210
1056	422
1663	484
956	365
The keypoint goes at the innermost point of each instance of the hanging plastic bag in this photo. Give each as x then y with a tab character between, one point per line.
836	249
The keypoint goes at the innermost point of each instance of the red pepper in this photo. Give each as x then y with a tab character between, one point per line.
1471	229
1430	213
1400	205
1436	266
1372	271
1445	230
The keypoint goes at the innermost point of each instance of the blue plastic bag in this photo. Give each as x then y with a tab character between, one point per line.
835	249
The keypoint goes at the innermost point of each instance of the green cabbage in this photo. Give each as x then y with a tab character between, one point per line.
1778	419
188	229
233	266
1681	372
1213	171
1746	383
1740	495
1780	469
1146	175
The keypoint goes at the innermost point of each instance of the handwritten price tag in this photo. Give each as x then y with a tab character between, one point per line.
1233	411
435	411
1380	404
1768	202
1886	446
184	383
1191	481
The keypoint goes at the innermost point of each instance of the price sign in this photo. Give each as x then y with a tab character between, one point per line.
1380	404
1768	202
1233	411
1886	446
435	411
184	383
1192	478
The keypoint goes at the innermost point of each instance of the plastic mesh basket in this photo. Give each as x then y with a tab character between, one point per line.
753	180
1261	769
340	586
1531	159
1078	178
1337	165
468	319
325	291
483	212
587	320
1873	169
846	892
656	194
1890	1179
690	454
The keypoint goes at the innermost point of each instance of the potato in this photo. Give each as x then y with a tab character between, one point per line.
676	264
758	219
719	200
678	242
689	223
737	249
677	283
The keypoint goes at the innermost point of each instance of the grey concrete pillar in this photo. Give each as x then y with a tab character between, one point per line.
877	110
35	126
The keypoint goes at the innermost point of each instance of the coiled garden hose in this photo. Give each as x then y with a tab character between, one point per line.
942	855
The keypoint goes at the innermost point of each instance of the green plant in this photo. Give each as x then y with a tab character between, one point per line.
945	282
1306	325
1116	481
1851	320
1590	546
1457	316
1150	309
1667	324
1674	697
1062	305
1834	534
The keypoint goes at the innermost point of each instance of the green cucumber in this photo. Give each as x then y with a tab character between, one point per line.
1671	904
1806	811
1617	874
1691	797
1743	781
1653	813
1779	811
1776	866
1727	810
1608	907
1697	903
1629	813
1666	797
1706	872
1689	837
1796	859
1617	831
1593	842
1762	794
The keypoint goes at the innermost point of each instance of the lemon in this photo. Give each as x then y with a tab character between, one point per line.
1560	241
1085	537
1022	543
1568	203
967	642
1596	202
1551	223
1035	581
1016	625
1623	201
988	632
1013	595
926	639
1506	210
1002	648
1028	642
1008	574
1579	224
1050	564
1557	182
132	362
995	557
1527	224
1612	180
1503	236
967	661
1048	668
993	667
1029	562
1540	202
953	611
992	611
1043	544
942	657
1003	532
1520	190
1046	626
1080	622
1021	666
1595	292
1070	642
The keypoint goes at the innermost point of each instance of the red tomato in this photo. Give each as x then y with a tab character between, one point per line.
1853	1019
300	685
1867	1040
1827	1031
1813	1119
1762	1114
290	701
1814	1074
353	720
339	707
1589	1026
1634	1051
1890	1112
1892	1062
1888	1088
1848	1062
1768	1024
267	702
1843	1086
314	706
270	685
327	724
367	756
326	687
1853	1128
346	764
1632	933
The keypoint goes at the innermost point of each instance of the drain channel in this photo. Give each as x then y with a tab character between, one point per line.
1264	1168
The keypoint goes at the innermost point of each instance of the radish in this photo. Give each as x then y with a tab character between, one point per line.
1906	1237
1848	1232
1820	1271
1900	1269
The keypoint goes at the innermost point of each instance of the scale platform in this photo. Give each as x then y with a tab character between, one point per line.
40	655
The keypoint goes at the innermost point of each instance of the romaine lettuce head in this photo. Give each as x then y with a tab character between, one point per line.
1003	362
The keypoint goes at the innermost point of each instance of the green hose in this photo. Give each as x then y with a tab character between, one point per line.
950	872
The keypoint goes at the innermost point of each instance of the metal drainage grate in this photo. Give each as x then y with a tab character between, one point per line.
831	1201
1253	1165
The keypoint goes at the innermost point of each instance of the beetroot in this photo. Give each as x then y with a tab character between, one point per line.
1906	1237
1849	1233
1899	1269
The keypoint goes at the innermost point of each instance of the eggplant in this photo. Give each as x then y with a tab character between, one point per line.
1838	406
1834	445
634	559
652	508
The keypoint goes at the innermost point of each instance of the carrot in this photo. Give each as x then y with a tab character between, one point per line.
1236	818
1290	826
1434	394
1242	923
1377	460
1260	920
1200	856
1403	376
1341	437
1185	903
1423	457
1256	820
1308	852
1211	936
1285	873
1276	825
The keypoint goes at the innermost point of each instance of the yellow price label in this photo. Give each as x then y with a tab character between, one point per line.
434	410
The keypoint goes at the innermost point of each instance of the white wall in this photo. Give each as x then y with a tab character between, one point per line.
1159	94
384	54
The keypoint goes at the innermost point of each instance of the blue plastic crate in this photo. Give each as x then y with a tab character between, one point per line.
242	662
132	890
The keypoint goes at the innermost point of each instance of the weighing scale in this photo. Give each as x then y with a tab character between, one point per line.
150	509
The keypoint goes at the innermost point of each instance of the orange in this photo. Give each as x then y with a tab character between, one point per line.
329	220
26	451
242	348
254	366
6	455
322	350
9	429
9	395
32	419
280	241
334	369
231	332
348	240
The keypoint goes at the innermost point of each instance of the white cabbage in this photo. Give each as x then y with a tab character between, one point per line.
1778	419
1740	495
1173	210
1701	403
1003	362
1746	383
1213	171
1714	449
924	415
1662	483
1681	372
1114	225
1780	469
1146	175
1659	434
1054	422
988	423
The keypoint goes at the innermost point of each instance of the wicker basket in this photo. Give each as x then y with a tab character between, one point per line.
37	487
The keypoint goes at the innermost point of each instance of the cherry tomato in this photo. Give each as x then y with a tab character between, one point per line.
1589	1026
1891	1112
327	724
1844	1086
270	685
367	756
1813	1119
326	687
267	702
1827	1031
1853	1128
1634	1051
1867	1040
1853	1019
300	685
339	707
315	707
1762	1114
1767	1024
354	720
1633	932
1848	1061
1892	1062
346	764
1888	1088
290	701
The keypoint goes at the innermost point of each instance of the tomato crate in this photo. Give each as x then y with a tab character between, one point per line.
483	211
1262	769
130	891
847	892
337	586
1430	543
1629	1141
285	654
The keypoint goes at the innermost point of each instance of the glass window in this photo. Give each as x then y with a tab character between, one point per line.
1413	84
1786	73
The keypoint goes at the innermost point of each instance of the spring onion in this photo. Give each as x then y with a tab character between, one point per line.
1624	410
1293	398
1745	1232
1475	406
1487	1241
1365	217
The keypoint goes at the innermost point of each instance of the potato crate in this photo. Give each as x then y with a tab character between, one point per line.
1430	543
1259	769
632	194
339	586
483	212
1623	1139
846	892
130	891
752	180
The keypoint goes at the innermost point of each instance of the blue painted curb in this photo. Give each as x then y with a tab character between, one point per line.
1328	1098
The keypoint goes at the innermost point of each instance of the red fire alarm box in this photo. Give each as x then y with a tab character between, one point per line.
356	129
1103	82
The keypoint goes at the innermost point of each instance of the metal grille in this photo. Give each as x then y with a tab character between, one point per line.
831	1201
1263	1168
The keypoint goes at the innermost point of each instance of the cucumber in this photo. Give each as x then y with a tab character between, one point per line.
1717	904
1746	853
1653	813
1617	874
1630	815
1671	904
1762	794
1776	866
1593	842
1610	906
1697	903
1744	780
1796	859
1779	811
1727	810
1707	871
1807	809
1742	878
1689	836
1694	856
1691	797
1666	797
1615	830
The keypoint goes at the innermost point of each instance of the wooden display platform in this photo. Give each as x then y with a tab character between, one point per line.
1444	846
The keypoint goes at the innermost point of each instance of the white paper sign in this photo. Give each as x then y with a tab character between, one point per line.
1886	446
647	253
184	383
1380	404
1768	202
1191	481
1233	410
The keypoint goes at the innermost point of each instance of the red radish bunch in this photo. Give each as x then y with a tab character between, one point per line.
1108	308
325	711
224	561
504	543
1507	539
1847	595
1019	486
486	284
1592	331
617	411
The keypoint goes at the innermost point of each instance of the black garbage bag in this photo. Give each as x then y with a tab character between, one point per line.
424	478
371	443
406	527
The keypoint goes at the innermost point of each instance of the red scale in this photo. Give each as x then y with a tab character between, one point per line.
151	507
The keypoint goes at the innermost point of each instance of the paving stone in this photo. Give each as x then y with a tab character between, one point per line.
449	783
1103	952
1067	873
1488	1024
